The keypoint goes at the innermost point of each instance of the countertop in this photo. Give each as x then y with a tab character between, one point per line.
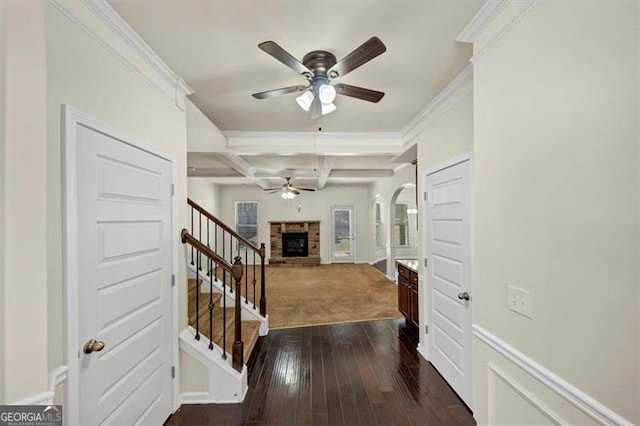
409	263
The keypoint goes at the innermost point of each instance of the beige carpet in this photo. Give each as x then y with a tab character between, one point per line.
327	294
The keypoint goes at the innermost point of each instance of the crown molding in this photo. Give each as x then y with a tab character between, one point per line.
114	23
481	20
119	26
432	112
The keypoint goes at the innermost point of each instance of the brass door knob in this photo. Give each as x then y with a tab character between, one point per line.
93	346
464	296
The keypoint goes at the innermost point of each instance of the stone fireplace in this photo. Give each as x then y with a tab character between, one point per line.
295	243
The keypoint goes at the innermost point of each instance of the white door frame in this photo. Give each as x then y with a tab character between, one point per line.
73	118
353	230
423	348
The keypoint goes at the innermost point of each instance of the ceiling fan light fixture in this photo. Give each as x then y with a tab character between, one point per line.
327	94
288	194
328	108
305	100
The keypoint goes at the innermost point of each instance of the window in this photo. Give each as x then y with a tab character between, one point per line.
379	226
247	220
401	225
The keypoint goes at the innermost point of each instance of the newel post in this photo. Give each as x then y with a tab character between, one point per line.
238	346
263	287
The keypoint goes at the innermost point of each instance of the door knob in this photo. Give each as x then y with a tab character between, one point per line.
464	296
93	346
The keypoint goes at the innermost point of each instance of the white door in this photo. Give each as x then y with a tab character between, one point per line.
342	231
447	233
124	282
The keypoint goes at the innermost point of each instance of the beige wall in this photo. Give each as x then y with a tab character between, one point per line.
24	252
204	193
313	206
202	134
54	62
556	149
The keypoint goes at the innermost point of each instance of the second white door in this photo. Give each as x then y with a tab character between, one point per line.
447	233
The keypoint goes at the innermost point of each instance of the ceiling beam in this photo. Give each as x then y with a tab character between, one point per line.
325	167
361	173
241	166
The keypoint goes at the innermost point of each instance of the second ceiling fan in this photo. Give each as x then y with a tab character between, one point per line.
320	68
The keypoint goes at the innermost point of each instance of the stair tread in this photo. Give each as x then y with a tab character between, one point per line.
250	329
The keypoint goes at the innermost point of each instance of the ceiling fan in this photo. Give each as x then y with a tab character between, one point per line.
320	68
288	191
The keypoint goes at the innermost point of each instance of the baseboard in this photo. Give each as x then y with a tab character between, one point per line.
422	350
195	398
579	399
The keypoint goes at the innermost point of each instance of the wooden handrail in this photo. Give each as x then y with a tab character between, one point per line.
224	226
188	238
236	273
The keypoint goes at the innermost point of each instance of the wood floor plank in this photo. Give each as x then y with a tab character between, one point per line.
366	373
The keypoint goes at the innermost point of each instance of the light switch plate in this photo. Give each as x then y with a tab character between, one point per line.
519	300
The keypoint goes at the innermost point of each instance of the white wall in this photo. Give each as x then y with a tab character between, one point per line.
52	61
557	192
313	206
204	193
202	134
24	251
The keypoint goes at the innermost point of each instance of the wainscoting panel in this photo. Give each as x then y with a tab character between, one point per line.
514	389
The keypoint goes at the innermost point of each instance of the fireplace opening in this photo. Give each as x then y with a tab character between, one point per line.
295	244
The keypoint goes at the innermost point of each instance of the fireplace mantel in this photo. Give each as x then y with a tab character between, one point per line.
311	227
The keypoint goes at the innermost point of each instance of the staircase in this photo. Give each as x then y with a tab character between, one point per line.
226	307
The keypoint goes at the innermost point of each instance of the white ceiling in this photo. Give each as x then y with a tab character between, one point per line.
213	46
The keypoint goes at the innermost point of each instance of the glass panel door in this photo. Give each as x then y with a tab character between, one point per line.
343	235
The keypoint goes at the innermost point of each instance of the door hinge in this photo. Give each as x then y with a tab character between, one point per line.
426	329
425	196
425	262
173	372
173	190
173	280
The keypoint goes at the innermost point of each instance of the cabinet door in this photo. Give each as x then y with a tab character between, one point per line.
403	297
413	301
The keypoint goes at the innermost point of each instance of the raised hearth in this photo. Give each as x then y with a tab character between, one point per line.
295	243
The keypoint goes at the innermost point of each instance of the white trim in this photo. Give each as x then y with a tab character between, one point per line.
430	114
3	248
583	402
506	27
196	398
118	26
72	118
481	20
56	377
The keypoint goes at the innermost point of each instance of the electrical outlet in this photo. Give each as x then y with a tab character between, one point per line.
519	300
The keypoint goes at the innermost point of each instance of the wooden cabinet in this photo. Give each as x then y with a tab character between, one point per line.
408	293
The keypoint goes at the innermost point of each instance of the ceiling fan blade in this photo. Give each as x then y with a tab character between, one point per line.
273	190
278	92
305	189
295	191
363	54
359	92
285	57
316	108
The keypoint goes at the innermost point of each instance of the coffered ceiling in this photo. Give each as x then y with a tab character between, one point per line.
213	47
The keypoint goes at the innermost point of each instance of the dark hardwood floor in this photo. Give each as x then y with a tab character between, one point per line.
364	373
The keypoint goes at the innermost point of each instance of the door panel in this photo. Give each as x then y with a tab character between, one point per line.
124	242
448	251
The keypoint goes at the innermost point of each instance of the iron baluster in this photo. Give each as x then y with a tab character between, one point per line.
192	234
246	276
254	280
210	307
200	238
197	290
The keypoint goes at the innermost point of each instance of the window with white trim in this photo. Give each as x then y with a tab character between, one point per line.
247	220
401	225
379	226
